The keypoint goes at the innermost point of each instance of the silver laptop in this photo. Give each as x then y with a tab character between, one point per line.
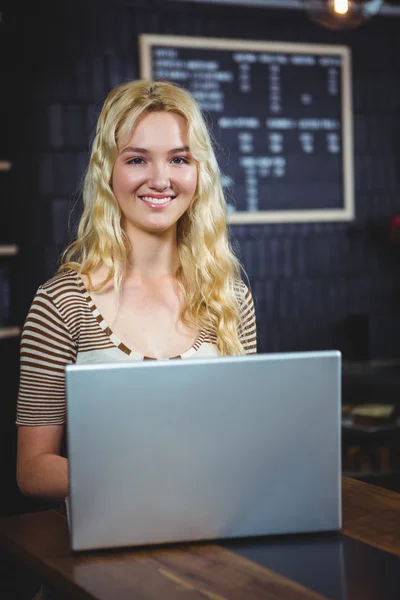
184	450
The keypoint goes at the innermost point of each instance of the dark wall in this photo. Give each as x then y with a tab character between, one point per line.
314	284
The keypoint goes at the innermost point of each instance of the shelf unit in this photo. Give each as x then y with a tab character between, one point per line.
7	250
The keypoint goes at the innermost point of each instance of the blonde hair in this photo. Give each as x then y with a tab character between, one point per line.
208	270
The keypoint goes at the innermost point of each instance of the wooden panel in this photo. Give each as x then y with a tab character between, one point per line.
8	250
371	514
195	572
9	332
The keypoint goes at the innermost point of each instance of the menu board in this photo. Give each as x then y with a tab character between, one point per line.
281	117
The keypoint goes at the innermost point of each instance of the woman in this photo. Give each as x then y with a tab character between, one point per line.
150	275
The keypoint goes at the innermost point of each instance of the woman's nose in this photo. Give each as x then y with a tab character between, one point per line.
159	177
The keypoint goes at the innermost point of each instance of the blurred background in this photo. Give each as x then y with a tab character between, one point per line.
316	285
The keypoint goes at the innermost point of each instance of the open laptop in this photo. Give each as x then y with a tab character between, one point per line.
184	450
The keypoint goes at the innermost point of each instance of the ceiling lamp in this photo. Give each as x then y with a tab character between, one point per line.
342	14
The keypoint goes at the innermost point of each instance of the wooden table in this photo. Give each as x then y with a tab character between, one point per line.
361	562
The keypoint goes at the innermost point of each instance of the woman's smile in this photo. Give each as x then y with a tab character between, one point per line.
157	200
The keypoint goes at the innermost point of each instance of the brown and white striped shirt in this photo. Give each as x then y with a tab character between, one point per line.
64	326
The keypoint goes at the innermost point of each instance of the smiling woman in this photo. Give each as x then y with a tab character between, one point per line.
151	274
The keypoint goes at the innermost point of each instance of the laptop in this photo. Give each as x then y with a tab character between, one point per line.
203	449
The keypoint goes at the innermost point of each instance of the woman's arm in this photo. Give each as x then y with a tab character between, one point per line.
47	346
41	472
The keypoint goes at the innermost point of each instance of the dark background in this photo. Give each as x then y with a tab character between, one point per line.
316	286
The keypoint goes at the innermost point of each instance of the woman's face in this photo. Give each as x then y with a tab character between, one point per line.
154	177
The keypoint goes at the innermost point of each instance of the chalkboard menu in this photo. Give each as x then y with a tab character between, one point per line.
281	116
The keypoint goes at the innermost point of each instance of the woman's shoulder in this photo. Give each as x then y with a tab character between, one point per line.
62	299
62	282
64	290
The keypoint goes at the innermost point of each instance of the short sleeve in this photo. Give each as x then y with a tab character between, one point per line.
248	329
47	347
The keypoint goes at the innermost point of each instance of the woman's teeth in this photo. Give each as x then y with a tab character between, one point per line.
156	200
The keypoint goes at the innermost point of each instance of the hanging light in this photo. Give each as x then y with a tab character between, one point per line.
341	14
341	7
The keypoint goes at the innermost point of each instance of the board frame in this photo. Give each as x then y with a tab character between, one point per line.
347	213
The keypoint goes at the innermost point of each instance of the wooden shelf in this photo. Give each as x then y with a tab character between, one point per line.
371	366
9	332
5	165
376	362
8	250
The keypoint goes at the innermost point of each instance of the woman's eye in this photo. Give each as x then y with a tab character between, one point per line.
179	160
136	161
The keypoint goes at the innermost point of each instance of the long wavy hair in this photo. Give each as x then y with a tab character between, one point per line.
208	272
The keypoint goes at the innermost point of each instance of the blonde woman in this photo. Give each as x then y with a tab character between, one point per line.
151	274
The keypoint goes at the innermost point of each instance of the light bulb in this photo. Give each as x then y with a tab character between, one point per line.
341	7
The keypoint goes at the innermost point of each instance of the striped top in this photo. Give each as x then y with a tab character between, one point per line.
64	326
